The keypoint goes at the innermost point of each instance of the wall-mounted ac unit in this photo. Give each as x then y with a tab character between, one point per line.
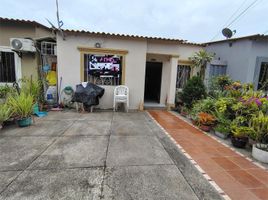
21	44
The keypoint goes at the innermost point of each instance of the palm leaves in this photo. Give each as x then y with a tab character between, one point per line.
200	59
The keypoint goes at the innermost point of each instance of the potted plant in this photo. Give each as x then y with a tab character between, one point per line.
240	135
184	111
222	130
5	114
33	88
206	121
260	125
22	106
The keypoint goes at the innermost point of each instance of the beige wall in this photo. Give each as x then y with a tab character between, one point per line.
29	66
29	61
69	64
139	50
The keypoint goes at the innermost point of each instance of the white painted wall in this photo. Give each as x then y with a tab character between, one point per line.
135	63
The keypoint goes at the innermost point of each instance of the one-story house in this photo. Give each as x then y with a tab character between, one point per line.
15	65
147	65
243	58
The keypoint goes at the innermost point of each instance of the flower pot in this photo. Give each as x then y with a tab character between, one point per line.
184	114
239	142
205	128
220	135
251	142
25	122
259	154
194	122
35	108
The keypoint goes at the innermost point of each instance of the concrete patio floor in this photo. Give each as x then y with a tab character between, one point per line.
102	155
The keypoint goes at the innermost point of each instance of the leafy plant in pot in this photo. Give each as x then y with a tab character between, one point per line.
22	106
5	113
206	121
259	124
184	111
239	136
222	130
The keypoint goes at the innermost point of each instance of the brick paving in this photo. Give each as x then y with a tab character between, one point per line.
238	177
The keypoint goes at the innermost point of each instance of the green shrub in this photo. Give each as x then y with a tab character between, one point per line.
260	125
194	90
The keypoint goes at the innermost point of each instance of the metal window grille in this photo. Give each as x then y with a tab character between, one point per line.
104	72
217	70
7	67
183	75
48	48
263	77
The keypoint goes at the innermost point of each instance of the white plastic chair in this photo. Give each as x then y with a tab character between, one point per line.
121	95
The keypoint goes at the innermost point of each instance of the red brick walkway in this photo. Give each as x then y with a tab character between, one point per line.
238	177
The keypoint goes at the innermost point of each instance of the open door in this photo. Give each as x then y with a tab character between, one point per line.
153	76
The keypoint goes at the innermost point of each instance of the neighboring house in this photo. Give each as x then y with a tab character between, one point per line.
244	59
14	66
147	65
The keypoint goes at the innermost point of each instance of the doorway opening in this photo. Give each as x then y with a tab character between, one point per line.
153	76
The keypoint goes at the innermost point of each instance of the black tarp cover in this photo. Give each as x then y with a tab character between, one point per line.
88	95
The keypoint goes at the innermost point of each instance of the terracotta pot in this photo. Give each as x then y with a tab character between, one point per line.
239	142
205	128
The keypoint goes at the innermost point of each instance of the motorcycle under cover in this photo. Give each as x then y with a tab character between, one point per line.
88	95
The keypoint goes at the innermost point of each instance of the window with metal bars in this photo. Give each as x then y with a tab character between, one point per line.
183	75
263	77
103	69
7	67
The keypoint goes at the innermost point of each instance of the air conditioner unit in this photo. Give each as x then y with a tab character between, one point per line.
21	44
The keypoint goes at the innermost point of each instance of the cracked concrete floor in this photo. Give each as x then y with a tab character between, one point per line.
102	155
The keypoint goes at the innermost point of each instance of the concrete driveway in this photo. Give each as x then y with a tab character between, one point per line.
102	155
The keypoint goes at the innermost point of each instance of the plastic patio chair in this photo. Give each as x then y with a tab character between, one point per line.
121	95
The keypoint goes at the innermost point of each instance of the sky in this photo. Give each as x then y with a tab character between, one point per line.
192	20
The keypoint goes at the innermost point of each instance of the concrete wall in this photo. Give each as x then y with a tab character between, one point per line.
139	50
259	54
237	56
241	58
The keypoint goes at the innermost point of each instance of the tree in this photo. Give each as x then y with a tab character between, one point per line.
200	60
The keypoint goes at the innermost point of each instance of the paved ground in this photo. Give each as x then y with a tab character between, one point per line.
237	176
120	156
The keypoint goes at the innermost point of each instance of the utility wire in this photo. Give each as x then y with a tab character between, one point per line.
242	13
230	18
237	17
237	10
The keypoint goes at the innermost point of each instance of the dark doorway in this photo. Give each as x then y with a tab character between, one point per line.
153	76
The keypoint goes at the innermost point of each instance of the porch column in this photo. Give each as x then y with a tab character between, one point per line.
172	81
